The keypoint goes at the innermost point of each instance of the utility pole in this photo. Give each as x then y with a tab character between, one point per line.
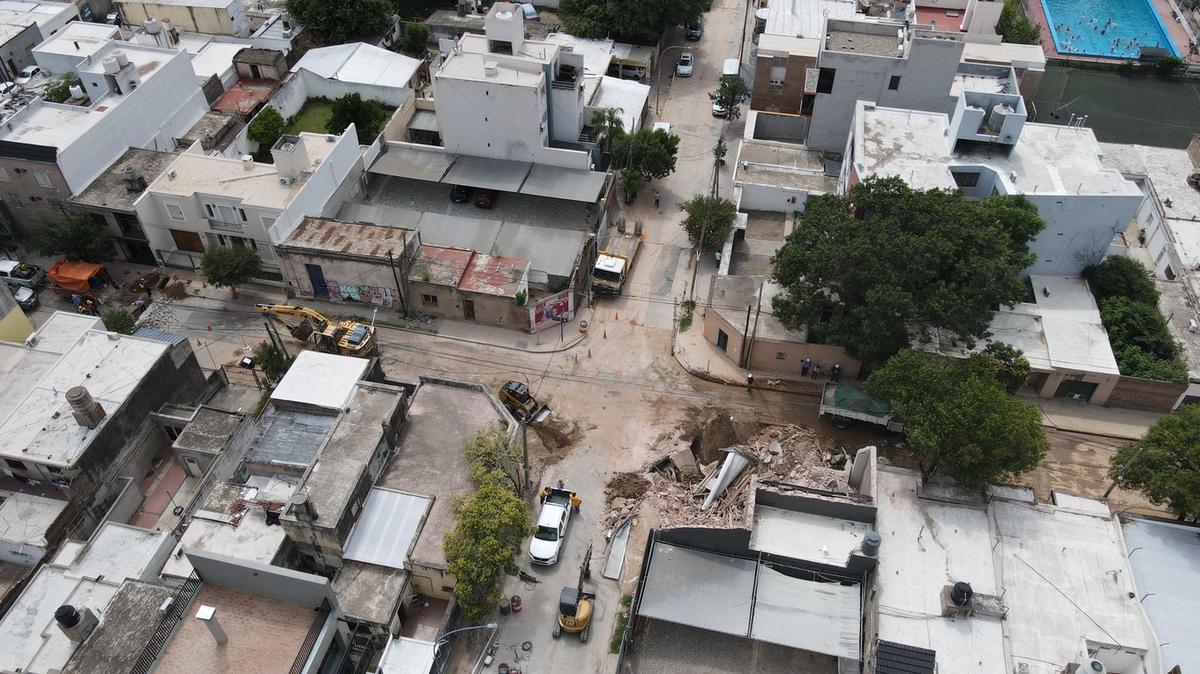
525	452
399	287
754	333
1137	454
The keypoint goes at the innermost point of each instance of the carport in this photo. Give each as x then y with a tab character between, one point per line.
404	162
492	174
560	183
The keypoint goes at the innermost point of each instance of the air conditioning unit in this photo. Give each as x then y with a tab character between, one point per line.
286	180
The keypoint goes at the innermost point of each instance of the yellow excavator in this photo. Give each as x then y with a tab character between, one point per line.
349	338
576	607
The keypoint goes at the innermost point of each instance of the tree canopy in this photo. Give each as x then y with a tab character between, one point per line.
640	21
58	90
708	217
273	363
730	93
607	123
1165	465
266	128
120	321
1141	341
1120	276
416	35
651	153
77	237
367	115
869	269
338	22
230	267
959	419
1013	26
1006	363
491	454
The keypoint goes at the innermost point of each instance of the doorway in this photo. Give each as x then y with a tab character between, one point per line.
1073	389
317	278
469	310
722	340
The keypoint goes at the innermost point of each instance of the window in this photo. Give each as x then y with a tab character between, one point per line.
43	178
778	74
806	104
775	86
175	212
825	80
3	175
965	178
429	300
894	83
722	340
15	465
189	241
267	222
226	214
780	355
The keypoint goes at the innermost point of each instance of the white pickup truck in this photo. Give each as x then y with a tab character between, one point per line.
557	505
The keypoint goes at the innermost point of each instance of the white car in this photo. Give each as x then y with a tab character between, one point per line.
719	110
557	504
684	67
27	73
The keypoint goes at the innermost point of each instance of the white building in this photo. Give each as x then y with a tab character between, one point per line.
78	42
501	96
374	73
50	17
218	17
986	148
203	201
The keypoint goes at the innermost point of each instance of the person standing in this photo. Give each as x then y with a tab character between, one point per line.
816	370
835	372
804	366
657	199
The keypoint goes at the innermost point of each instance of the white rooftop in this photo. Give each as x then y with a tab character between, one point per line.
36	423
91	37
198	3
195	172
1047	158
627	96
359	63
387	528
215	58
1166	566
1167	169
24	519
806	18
471	66
407	656
597	54
248	538
1061	574
29	639
807	536
1060	330
320	380
18	13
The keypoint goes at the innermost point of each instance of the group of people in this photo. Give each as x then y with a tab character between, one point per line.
810	367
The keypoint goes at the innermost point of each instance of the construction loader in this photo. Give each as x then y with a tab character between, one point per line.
521	403
349	338
576	607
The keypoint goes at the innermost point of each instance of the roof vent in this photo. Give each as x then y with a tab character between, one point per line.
76	624
961	593
1094	666
870	544
208	614
86	410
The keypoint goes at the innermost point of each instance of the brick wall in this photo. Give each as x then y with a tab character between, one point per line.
1145	394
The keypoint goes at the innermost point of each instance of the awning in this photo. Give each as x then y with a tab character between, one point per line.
502	175
424	120
385	531
572	184
406	162
744	598
74	275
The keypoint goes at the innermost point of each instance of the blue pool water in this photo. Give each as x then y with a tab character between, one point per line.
1108	28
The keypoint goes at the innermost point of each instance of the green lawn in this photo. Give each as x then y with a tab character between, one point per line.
313	117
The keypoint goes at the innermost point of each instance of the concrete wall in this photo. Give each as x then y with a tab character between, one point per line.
780	127
489	309
925	79
19	49
262	579
1047	384
1078	230
764	355
431	582
788	69
1145	394
313	198
228	20
490	119
366	281
771	198
981	16
29	203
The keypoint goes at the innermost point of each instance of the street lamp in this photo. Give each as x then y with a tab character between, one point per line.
662	58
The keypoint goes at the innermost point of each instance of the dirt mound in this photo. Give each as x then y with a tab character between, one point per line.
175	291
557	435
627	486
711	429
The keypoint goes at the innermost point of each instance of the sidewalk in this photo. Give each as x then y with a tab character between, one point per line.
1067	415
706	361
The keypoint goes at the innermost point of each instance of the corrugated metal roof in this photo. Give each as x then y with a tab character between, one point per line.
493	174
387	528
406	162
159	335
560	183
894	658
349	238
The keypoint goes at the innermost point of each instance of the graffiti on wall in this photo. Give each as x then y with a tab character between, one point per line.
374	295
545	312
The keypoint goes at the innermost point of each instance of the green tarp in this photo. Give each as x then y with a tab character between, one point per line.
853	398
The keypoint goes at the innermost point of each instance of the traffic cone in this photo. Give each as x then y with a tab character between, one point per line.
210	327
589	353
606	333
616	316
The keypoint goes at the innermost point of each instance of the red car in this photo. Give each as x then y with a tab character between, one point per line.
485	198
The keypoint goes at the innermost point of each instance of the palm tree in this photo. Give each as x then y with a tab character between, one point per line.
607	123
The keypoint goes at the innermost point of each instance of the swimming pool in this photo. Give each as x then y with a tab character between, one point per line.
1106	28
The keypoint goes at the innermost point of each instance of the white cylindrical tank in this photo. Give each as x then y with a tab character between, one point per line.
152	25
76	91
122	59
110	65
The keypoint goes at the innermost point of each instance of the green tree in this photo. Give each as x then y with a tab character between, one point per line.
8	239
368	117
1139	325
651	153
1120	276
709	221
608	126
78	237
492	455
640	21
631	182
958	419
1168	67
1013	26
273	363
59	90
489	526
230	267
416	35
1165	464
1005	363
266	128
869	269
338	22
730	94
120	321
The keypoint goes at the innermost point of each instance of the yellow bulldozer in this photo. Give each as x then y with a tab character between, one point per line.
520	402
576	607
349	338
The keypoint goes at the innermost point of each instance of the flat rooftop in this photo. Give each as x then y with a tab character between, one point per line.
442	418
1164	557
109	190
463	65
231	521
254	184
1047	158
287	439
24	519
318	380
78	38
806	536
731	296
129	620
36	423
369	592
209	431
360	239
265	634
88	577
787	165
860	42
806	18
215	58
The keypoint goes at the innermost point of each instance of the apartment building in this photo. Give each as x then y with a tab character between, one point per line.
202	201
216	17
130	96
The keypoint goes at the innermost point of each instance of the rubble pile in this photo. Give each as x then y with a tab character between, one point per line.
678	486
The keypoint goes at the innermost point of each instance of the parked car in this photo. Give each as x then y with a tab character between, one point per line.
27	73
460	194
719	110
26	298
557	505
633	73
7	88
695	30
684	67
485	198
17	273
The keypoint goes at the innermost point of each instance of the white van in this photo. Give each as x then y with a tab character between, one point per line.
731	67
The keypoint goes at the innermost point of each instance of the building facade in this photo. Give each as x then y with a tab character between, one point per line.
216	17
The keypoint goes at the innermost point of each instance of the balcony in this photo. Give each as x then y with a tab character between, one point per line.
566	78
222	226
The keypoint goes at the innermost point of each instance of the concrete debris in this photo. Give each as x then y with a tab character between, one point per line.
786	454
